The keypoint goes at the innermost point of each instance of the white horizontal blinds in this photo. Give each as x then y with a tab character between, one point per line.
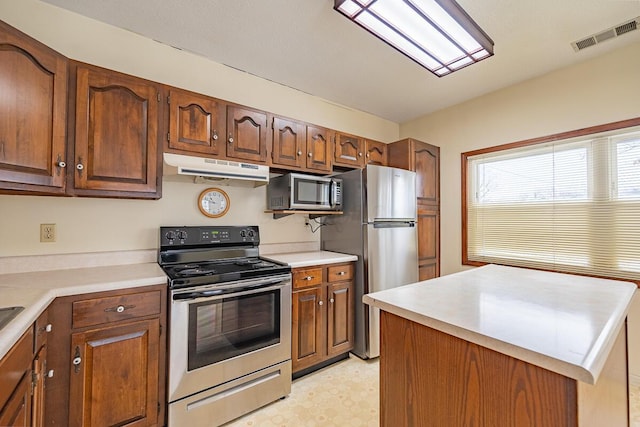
571	205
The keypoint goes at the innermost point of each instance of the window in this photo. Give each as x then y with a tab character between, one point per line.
567	202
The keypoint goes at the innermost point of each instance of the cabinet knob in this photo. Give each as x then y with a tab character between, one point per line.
310	155
331	300
230	139
308	278
341	273
368	155
119	309
50	373
77	360
214	135
320	303
359	154
47	328
61	165
299	153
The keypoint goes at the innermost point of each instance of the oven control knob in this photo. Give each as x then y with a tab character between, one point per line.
243	233
182	235
170	235
251	233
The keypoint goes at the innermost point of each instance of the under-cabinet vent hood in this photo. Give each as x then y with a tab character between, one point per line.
215	169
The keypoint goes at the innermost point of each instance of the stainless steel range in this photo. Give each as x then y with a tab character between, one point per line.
230	324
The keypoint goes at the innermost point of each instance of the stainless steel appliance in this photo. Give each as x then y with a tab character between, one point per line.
378	225
308	192
230	324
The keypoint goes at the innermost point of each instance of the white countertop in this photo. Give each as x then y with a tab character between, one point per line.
307	259
564	323
35	291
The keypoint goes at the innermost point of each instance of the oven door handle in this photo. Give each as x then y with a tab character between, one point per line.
236	291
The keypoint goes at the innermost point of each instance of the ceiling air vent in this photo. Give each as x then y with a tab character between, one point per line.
607	34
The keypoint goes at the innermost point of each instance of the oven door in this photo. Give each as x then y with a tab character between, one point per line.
222	332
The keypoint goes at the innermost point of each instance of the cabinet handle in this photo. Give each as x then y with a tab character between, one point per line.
80	166
230	139
331	300
368	155
47	328
299	153
320	303
308	278
359	154
310	155
214	135
50	373
341	273
60	164
119	309
77	360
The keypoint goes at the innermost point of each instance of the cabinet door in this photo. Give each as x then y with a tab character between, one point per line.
17	411
116	135
349	150
428	243
308	345
339	318
114	377
288	143
247	134
376	153
196	123
318	149
427	167
33	104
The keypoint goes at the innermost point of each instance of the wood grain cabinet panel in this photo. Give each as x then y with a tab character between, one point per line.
196	123
424	160
17	410
114	379
117	121
322	315
349	150
246	134
319	149
33	105
376	153
289	143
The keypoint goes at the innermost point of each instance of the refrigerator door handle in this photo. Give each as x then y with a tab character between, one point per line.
394	224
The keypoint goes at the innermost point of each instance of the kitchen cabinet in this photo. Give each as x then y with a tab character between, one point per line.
289	143
22	378
376	153
196	123
33	99
349	150
117	126
109	359
297	145
424	159
246	134
322	315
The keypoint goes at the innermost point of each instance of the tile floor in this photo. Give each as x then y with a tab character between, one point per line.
345	394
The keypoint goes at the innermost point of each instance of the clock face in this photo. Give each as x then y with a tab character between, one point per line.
213	202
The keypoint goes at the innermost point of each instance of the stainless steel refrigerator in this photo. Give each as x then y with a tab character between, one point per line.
378	225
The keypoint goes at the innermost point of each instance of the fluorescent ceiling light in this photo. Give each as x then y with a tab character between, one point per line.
437	34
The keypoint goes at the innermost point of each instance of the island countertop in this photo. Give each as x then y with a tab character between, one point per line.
564	323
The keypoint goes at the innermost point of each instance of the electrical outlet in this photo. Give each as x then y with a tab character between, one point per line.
47	232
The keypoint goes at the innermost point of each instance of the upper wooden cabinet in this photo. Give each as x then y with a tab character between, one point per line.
117	130
33	105
196	123
376	153
301	146
246	134
349	150
289	143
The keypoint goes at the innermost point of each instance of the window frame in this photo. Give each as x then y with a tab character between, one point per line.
629	123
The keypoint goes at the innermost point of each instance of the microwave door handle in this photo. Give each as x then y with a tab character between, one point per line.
332	194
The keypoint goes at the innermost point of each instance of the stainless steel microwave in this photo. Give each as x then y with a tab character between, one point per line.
304	192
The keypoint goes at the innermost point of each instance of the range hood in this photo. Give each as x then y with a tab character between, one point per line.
215	169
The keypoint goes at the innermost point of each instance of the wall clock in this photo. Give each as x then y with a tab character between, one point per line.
213	202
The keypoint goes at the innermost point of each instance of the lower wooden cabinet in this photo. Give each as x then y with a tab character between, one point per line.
322	314
22	378
109	355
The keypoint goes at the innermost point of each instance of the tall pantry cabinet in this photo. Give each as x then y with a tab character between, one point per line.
424	160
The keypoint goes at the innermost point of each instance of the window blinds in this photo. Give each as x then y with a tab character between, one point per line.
570	205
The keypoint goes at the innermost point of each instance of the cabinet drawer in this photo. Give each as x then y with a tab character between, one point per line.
112	309
339	273
306	277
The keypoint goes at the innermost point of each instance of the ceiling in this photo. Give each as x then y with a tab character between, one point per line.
306	45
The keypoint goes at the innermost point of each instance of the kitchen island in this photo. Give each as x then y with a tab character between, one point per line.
503	346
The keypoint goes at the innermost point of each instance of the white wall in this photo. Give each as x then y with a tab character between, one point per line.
602	90
94	225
